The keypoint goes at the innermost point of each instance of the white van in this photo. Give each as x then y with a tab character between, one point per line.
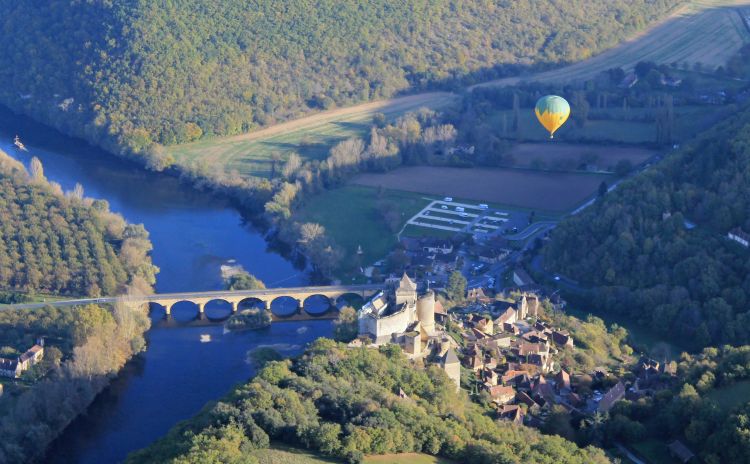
484	206
460	209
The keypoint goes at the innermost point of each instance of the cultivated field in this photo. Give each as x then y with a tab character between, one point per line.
525	189
553	154
310	137
708	32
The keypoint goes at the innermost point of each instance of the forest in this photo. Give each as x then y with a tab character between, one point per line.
126	75
344	403
706	409
656	249
64	243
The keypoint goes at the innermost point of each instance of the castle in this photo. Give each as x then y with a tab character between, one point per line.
399	315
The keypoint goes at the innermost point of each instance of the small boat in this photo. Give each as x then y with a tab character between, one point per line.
205	338
17	142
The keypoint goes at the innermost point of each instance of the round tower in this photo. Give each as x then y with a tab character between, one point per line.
426	311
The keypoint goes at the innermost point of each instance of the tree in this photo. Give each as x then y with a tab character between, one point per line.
345	327
244	281
456	288
36	169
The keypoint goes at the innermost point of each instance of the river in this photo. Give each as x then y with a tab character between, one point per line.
193	234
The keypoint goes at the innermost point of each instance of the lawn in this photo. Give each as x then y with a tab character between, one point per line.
406	458
730	397
552	192
351	218
311	137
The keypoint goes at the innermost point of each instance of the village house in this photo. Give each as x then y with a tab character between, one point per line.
562	338
522	278
501	394
511	412
14	367
477	295
612	396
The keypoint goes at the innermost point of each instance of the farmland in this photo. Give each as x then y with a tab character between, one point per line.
521	188
707	32
562	154
311	137
629	126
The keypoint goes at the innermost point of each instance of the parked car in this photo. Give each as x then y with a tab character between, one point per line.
448	199
484	206
460	209
444	207
464	215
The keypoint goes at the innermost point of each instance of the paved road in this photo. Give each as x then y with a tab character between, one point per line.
199	295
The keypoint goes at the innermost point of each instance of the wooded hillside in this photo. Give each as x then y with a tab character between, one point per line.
656	248
126	74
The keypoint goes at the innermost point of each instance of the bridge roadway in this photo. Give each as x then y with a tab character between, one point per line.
233	297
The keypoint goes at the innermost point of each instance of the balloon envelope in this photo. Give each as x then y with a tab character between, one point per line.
552	112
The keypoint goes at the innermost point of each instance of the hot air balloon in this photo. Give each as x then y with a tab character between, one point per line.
552	111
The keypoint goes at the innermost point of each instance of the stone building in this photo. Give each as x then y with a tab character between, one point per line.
397	313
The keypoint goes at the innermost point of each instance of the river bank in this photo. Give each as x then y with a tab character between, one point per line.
193	233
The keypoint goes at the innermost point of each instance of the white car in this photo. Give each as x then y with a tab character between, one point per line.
448	199
464	215
444	207
484	206
460	209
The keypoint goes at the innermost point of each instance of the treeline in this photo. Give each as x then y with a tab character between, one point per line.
694	411
656	249
94	342
125	75
414	138
343	403
64	243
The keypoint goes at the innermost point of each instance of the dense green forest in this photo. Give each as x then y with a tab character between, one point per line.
85	347
124	74
656	248
709	410
343	403
59	243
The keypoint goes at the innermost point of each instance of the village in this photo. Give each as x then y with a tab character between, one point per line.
506	351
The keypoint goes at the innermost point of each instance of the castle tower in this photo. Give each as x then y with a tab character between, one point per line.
523	308
406	291
426	311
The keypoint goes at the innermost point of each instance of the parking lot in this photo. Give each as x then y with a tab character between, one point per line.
471	218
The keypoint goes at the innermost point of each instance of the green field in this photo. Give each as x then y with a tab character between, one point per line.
730	397
708	32
624	127
406	458
350	217
311	137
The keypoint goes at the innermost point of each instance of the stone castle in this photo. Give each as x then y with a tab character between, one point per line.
399	315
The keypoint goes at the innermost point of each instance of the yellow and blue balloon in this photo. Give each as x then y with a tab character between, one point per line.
552	112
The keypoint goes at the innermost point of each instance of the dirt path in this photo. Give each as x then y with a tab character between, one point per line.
391	104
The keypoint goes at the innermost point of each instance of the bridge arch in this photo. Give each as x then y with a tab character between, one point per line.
185	310
316	305
284	306
251	302
218	308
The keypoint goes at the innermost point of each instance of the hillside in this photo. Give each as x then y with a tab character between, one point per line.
343	403
656	248
64	244
126	74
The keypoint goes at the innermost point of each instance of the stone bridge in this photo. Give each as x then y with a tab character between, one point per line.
233	297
